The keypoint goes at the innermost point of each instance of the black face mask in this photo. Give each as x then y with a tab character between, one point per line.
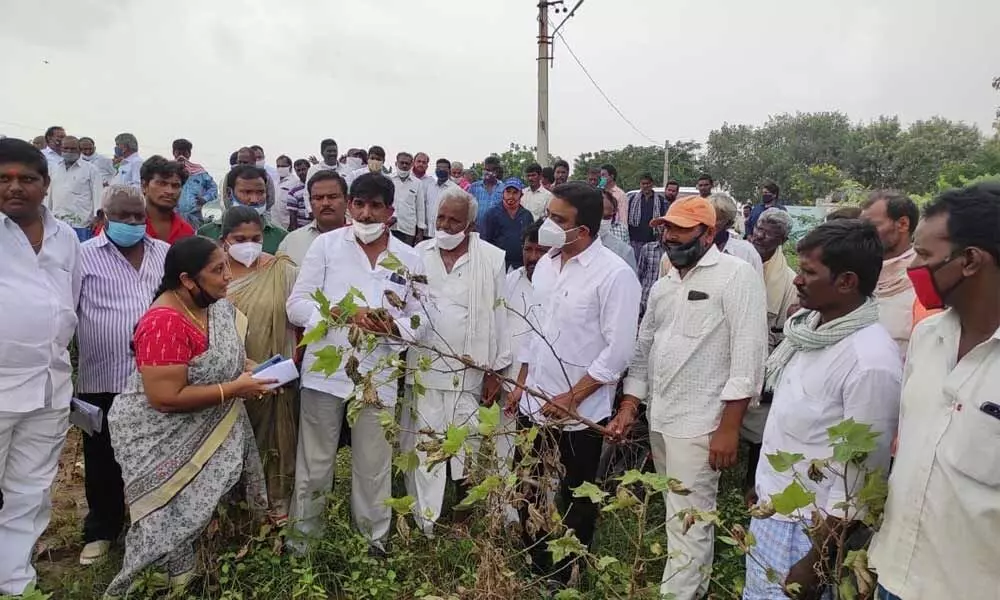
682	256
201	299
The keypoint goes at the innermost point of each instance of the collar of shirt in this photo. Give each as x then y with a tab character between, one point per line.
710	259
49	223
179	228
585	257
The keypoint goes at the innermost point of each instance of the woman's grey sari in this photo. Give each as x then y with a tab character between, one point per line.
177	466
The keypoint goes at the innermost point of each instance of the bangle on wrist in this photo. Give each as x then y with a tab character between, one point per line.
222	393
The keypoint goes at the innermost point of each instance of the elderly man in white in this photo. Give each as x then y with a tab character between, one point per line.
77	186
465	278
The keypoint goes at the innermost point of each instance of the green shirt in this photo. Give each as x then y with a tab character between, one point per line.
272	235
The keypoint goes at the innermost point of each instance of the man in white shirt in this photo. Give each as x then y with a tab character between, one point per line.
75	194
586	301
517	296
895	217
421	162
465	283
535	198
408	211
836	363
429	194
337	262
698	362
376	160
329	151
53	145
39	289
329	206
88	151
127	147
938	538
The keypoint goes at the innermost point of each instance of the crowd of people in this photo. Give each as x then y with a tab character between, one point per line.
579	305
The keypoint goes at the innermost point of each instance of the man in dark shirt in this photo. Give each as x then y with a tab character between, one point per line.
505	223
768	199
644	206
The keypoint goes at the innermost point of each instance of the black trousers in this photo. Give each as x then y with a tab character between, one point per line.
579	453
102	480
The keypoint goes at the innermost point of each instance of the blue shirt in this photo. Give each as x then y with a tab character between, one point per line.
485	199
755	213
504	232
189	205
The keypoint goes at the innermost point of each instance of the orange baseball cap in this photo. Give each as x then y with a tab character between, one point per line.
690	212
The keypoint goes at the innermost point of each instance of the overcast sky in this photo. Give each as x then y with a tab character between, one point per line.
457	77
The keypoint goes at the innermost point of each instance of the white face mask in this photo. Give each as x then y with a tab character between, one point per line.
246	253
551	234
354	163
284	172
367	232
260	164
402	174
448	241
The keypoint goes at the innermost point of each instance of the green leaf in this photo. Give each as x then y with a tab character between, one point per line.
489	419
773	576
479	492
568	594
792	498
872	495
605	561
414	321
631	476
454	439
567	545
327	360
322	302
391	262
357	294
402	505
386	419
315	334
591	491
406	462
725	539
655	482
783	461
424	362
852	441
656	549
846	589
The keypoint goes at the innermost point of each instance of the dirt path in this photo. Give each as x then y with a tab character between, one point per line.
60	544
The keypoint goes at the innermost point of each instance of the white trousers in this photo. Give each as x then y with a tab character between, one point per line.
436	410
30	444
686	574
320	418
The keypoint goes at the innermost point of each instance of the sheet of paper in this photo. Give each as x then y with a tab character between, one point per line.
283	371
86	416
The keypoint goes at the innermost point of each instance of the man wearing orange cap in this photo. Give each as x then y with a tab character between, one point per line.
698	361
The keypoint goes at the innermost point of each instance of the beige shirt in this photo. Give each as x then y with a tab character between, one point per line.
297	243
942	518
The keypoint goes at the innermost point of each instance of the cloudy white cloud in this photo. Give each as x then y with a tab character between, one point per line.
457	77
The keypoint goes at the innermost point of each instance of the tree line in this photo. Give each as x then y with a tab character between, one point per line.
810	155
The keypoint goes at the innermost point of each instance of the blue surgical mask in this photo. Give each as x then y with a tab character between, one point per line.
260	208
442	175
125	235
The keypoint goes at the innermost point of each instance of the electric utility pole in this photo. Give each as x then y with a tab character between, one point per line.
544	62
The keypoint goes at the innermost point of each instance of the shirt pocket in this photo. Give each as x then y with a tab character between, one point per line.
972	445
699	317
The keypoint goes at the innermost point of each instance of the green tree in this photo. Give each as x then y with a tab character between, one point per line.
927	147
515	159
871	153
633	161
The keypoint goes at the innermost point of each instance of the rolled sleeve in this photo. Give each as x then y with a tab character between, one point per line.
618	321
745	306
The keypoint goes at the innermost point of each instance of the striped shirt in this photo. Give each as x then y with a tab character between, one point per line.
113	296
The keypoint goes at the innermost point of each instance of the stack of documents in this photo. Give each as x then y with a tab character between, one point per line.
277	367
86	416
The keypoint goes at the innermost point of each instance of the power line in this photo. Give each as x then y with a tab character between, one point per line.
601	91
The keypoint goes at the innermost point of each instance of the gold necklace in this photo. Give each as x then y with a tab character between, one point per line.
190	314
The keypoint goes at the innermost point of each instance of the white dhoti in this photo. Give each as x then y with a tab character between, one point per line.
437	410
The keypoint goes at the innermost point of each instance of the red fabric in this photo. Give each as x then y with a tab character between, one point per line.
179	229
164	336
